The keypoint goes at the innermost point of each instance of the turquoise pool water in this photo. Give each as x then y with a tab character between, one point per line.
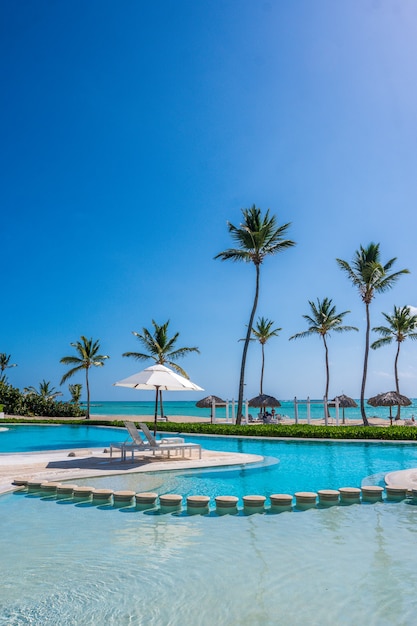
22	438
85	565
292	465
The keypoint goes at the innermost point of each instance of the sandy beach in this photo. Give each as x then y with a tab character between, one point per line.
185	419
189	419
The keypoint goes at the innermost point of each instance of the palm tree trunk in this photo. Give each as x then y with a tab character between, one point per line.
365	366
88	393
397	382
326	394
245	350
262	369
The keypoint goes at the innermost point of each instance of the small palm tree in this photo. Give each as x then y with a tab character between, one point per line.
263	332
45	391
370	277
401	325
257	237
88	356
75	391
323	320
5	365
161	349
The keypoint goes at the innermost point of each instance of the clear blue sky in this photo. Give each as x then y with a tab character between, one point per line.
132	131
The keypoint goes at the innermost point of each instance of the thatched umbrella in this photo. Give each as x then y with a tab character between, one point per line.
208	401
346	403
263	401
389	398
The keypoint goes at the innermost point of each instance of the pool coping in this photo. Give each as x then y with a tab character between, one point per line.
73	463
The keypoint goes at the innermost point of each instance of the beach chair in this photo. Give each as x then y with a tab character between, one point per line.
170	444
135	443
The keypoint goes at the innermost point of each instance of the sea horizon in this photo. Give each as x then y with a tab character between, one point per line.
188	408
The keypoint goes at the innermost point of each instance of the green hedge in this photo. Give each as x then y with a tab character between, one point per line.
301	431
17	403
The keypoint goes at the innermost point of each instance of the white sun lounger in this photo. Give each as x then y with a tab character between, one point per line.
169	445
135	443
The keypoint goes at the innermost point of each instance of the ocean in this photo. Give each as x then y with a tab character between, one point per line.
189	408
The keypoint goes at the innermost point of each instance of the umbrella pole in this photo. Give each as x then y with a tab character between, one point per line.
156	411
161	406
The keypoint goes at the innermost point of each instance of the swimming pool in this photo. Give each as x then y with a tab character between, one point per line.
83	565
302	466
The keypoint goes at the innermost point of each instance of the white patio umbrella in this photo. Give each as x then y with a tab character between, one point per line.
160	378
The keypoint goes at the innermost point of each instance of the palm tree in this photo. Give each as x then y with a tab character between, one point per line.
263	332
45	391
257	237
88	356
370	277
161	349
323	320
402	325
5	365
75	391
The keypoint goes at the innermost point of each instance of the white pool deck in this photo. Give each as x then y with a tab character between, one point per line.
57	465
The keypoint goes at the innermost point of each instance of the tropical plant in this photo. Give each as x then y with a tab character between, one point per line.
161	349
257	237
75	391
45	391
5	365
401	325
88	356
323	320
369	276
263	332
32	404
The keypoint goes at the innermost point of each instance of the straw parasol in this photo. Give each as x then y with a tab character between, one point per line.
208	402
263	401
389	398
346	403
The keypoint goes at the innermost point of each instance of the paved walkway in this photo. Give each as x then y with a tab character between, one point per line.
57	465
402	478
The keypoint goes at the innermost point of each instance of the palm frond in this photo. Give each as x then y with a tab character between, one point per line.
305	333
177	368
71	373
384	341
181	352
137	355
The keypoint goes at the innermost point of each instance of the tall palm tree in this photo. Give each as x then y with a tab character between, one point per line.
45	391
5	365
323	320
401	325
161	349
88	356
263	332
370	277
257	237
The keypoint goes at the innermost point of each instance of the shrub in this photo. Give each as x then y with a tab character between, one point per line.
17	403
